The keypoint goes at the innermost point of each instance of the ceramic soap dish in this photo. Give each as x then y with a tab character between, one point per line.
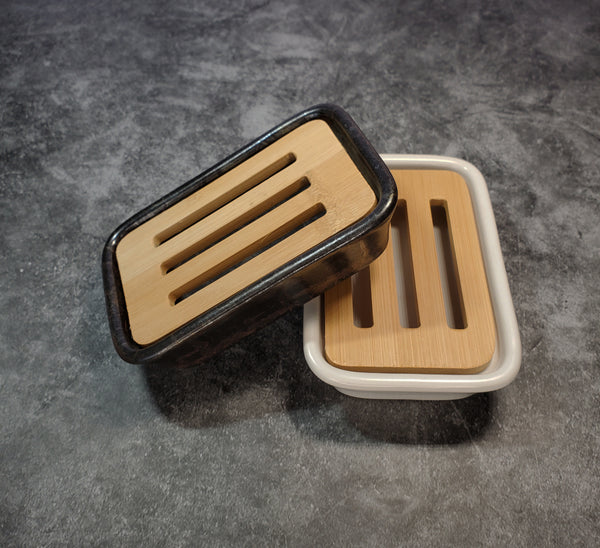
432	317
268	228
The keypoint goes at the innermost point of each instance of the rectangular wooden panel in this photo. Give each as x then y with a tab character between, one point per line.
279	203
429	304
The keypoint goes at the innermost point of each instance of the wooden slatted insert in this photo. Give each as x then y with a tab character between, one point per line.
429	308
281	202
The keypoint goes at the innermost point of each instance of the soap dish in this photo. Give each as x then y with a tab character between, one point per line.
432	317
270	227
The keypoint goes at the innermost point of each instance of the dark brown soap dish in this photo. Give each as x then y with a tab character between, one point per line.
270	227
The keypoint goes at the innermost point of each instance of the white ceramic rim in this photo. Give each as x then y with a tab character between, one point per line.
507	359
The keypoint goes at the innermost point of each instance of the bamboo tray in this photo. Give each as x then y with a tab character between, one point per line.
270	227
371	343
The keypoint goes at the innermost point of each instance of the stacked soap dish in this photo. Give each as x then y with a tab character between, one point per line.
269	227
432	317
403	251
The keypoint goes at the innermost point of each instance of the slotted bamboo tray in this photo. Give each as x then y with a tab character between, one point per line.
452	326
270	227
445	328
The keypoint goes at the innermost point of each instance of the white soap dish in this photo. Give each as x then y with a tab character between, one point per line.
454	340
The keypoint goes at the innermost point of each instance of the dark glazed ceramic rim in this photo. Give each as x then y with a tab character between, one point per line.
293	283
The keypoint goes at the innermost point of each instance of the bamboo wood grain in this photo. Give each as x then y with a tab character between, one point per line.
431	345
279	203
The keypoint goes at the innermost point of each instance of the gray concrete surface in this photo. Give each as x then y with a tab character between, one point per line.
106	106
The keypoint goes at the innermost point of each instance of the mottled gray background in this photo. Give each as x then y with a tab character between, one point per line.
106	106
